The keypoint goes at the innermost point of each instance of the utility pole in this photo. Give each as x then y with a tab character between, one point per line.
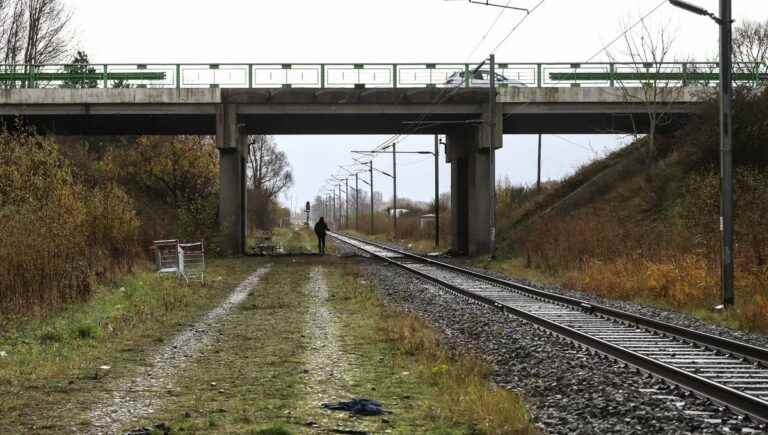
370	169
726	151
725	21
492	155
538	170
437	192
357	203
346	202
333	205
394	187
341	213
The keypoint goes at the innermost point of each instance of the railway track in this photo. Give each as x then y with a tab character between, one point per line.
731	373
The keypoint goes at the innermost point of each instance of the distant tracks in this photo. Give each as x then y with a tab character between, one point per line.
731	373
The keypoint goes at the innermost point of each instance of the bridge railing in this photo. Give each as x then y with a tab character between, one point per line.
370	75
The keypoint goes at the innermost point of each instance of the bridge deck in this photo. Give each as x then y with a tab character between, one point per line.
332	111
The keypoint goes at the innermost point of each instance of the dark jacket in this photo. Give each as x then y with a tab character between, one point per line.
321	228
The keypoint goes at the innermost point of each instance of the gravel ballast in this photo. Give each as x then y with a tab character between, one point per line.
568	388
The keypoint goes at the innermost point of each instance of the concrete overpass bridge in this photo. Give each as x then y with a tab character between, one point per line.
232	101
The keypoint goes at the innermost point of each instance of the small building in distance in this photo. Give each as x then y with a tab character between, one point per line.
427	221
399	211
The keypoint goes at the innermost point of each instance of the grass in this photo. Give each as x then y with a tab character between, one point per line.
301	241
423	246
251	379
450	391
513	267
672	285
255	380
51	369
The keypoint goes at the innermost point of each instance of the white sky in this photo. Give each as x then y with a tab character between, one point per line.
359	31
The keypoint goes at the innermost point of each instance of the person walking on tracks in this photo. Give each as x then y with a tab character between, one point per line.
320	229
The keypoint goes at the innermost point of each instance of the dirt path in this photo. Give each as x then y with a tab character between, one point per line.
327	365
141	395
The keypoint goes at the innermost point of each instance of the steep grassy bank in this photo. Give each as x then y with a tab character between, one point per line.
645	226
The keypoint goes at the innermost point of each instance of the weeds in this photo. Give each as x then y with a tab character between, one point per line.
50	360
461	383
58	235
663	252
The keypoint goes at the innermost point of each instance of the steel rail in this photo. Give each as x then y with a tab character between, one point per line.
737	400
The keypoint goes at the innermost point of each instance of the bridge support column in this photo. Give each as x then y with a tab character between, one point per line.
232	146
467	151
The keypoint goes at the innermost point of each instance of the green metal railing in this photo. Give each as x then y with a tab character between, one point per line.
374	75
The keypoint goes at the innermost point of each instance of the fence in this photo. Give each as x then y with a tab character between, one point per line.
373	75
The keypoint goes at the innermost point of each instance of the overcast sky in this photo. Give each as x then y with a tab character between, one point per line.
358	31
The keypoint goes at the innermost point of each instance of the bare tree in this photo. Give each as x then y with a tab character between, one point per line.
269	174
268	167
750	47
13	31
47	31
645	81
33	32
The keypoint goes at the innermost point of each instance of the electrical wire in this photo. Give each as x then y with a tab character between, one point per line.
627	30
584	147
498	17
519	23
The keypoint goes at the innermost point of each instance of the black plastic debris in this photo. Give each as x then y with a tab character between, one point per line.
357	407
160	428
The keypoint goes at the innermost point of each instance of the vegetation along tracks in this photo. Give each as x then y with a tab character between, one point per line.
728	372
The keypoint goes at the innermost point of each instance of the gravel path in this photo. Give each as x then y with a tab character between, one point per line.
568	389
138	397
327	365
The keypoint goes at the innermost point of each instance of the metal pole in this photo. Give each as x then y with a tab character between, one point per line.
357	204
492	156
341	213
346	203
394	188
437	192
370	169
538	170
726	155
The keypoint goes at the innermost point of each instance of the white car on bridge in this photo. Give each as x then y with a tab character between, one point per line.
481	79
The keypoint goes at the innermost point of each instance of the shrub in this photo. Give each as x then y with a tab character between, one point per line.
174	181
57	234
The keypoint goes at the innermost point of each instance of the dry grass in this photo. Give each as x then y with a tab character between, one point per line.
683	282
461	388
463	380
656	241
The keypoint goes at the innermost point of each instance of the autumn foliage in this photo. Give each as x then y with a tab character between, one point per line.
58	234
652	234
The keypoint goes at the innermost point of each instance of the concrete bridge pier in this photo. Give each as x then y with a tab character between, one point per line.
467	150
232	143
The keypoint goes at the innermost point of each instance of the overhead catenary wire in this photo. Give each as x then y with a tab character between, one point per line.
629	29
584	147
488	32
442	96
519	23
